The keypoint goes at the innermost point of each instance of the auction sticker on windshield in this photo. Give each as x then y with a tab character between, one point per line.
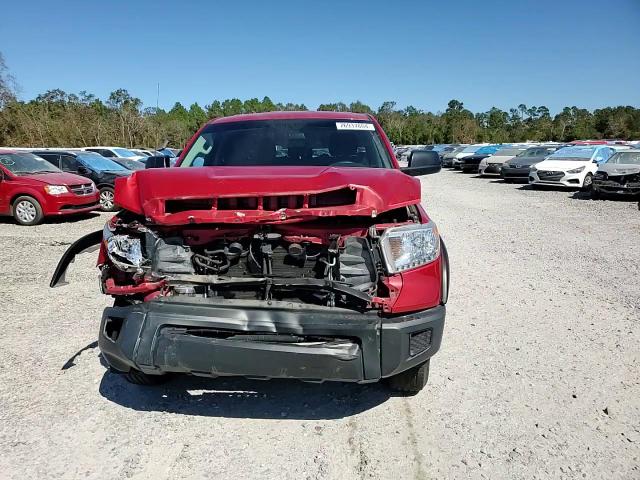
355	126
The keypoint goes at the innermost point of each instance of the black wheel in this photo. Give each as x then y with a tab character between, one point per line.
27	211
140	378
587	184
106	199
410	381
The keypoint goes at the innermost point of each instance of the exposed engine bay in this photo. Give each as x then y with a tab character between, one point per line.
334	262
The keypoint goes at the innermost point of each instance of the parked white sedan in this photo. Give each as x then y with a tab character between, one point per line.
571	167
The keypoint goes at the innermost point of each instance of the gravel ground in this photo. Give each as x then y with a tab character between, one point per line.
537	376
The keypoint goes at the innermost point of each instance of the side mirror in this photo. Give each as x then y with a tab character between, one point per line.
423	162
82	170
157	161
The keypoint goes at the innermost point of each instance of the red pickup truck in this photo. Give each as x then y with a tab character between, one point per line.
281	245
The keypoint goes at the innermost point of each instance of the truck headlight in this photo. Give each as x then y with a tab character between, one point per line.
56	189
125	252
576	170
409	246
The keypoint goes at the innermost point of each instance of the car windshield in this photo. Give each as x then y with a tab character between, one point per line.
99	163
124	153
573	153
625	157
24	163
487	149
130	164
295	142
508	152
471	148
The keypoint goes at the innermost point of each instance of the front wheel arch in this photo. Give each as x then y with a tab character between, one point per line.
31	203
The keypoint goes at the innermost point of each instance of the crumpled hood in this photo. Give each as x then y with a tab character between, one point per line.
620	168
178	196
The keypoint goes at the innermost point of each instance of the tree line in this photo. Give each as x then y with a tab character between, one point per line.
57	118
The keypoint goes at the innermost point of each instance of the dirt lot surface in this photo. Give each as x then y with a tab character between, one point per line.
538	375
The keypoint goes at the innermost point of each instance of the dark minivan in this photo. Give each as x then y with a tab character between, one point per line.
101	170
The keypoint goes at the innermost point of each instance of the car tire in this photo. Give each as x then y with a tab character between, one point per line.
27	211
106	199
587	183
410	381
595	194
140	378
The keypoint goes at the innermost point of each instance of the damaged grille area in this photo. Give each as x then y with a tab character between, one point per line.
261	263
334	198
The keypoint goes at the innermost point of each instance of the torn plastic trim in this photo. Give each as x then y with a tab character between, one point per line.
86	244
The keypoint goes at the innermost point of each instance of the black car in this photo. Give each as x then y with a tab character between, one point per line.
517	169
471	163
102	171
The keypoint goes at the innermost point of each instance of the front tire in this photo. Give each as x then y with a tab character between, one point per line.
410	381
107	199
587	183
27	211
140	378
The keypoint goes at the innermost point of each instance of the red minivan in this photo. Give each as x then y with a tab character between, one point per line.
31	189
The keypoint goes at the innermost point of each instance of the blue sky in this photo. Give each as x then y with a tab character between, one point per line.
421	53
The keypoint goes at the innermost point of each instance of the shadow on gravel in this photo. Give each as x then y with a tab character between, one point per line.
542	188
56	220
502	181
232	397
610	196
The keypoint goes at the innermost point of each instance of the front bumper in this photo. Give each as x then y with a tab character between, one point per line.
610	186
490	168
71	203
557	178
515	173
196	336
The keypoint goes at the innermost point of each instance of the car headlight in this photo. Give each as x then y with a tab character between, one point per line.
125	252
56	189
93	187
409	246
576	170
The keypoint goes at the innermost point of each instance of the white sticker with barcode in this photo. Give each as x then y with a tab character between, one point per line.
355	126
